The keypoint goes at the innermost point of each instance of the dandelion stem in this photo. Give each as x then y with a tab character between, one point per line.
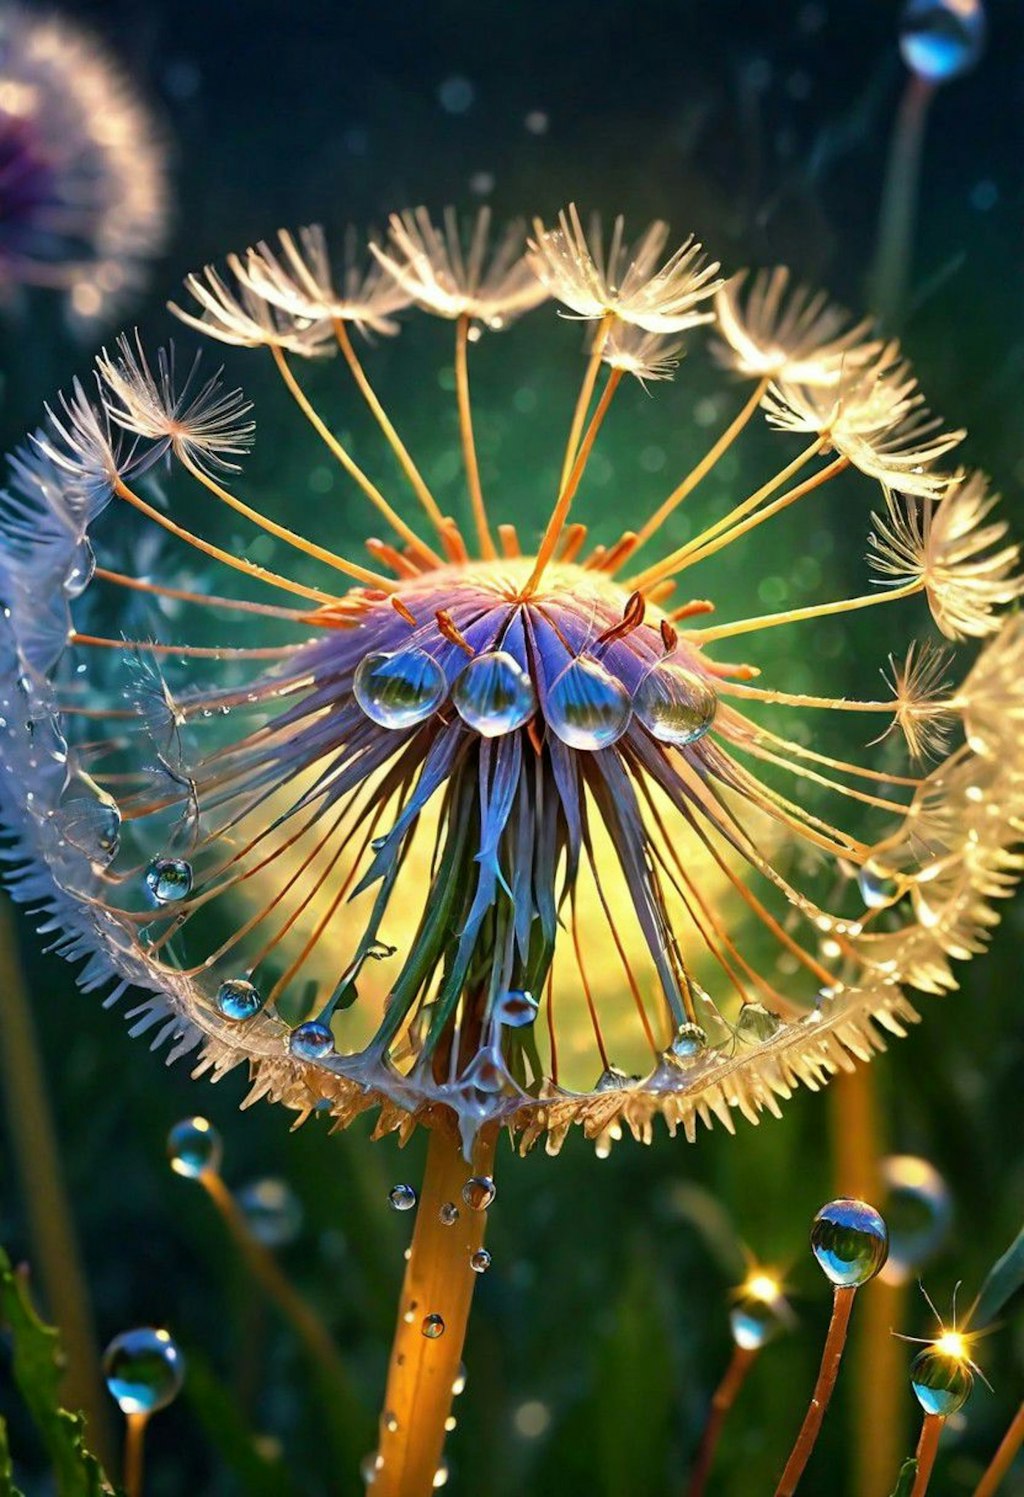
1003	1458
134	1450
476	494
927	1449
703	468
568	494
399	448
724	1397
585	397
438	1281
209	600
815	611
349	464
842	1304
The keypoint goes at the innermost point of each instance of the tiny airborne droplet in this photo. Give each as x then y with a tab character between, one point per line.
402	1197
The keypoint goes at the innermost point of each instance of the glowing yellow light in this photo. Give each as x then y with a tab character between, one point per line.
952	1344
762	1287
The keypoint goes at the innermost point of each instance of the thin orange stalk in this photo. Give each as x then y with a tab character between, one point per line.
585	396
239	563
927	1450
794	699
192	652
704	467
438	1281
476	493
842	1304
399	448
1003	1458
724	1397
208	600
134	1448
667	564
351	467
568	494
815	611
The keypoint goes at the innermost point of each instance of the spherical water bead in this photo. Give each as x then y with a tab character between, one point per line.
272	1210
399	690
877	886
753	1322
675	705
850	1241
940	39
919	1210
611	1079
757	1023
402	1197
238	999
689	1042
194	1146
144	1370
448	1214
942	1382
494	695
168	879
478	1192
516	1009
480	1262
587	708
311	1041
432	1327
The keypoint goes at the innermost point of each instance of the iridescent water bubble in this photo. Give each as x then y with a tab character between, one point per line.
689	1042
478	1192
942	1380
941	39
480	1261
919	1211
448	1214
272	1210
311	1041
757	1023
432	1327
877	885
168	879
587	707
850	1241
402	1197
143	1369
193	1147
675	705
516	1009
401	689
494	695
238	999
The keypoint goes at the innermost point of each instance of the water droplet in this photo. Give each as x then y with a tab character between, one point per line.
877	886
676	705
402	1197
440	1476
611	1079
144	1370
940	39
168	879
689	1042
401	689
238	999
516	1008
369	1466
586	706
919	1211
83	570
390	1422
494	695
448	1214
754	1320
194	1146
478	1192
432	1327
942	1383
311	1041
850	1241
459	1385
480	1262
273	1212
757	1023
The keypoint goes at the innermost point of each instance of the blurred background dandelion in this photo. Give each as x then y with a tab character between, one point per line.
603	1319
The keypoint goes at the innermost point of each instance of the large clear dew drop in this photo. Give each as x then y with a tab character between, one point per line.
311	1041
587	707
850	1241
168	879
238	1000
942	1383
401	689
144	1370
494	695
676	705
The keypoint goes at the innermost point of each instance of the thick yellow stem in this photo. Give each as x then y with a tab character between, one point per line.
439	1281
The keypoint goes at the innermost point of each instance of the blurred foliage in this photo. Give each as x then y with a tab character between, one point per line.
601	1329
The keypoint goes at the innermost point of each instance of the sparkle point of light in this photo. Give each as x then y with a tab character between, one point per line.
952	1344
762	1286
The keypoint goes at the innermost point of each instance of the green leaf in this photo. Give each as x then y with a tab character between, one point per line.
905	1481
6	1468
37	1363
261	1473
1003	1280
